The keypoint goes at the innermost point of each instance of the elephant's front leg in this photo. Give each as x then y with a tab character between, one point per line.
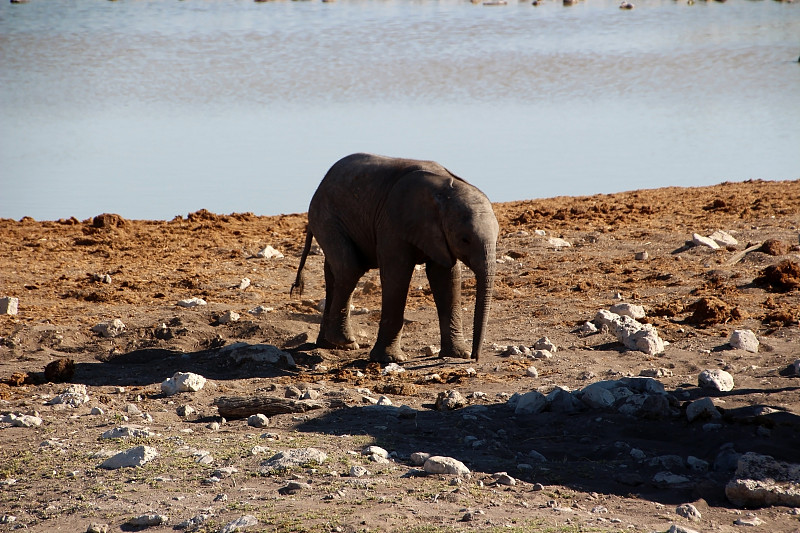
395	278
446	287
335	331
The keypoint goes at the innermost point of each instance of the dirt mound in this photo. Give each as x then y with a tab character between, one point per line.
108	220
774	247
783	277
709	310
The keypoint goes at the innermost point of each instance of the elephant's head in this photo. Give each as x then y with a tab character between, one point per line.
454	220
470	229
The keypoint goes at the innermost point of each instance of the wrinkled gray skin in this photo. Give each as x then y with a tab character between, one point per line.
370	212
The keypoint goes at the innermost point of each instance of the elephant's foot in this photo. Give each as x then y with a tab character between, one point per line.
337	344
388	354
458	350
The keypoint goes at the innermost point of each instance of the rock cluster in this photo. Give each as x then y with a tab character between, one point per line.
630	332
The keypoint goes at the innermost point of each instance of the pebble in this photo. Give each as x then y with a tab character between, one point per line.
288	459
258	421
269	253
183	382
723	238
127	432
97	411
419	458
750	521
110	329
191	302
185	410
588	328
293	487
244	283
472	514
229	316
744	339
20	420
502	478
641	256
628	309
375	450
392	368
675	528
450	400
260	310
133	457
715	379
240	524
147	520
432	351
687	510
358	471
545	344
541	354
699	240
558	243
9	305
532	372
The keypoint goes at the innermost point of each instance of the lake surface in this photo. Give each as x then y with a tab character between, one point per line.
157	108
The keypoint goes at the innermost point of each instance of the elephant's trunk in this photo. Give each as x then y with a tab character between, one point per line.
484	276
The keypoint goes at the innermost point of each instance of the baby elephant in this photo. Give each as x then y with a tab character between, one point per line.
371	211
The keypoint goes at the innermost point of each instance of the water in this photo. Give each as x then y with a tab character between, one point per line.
154	108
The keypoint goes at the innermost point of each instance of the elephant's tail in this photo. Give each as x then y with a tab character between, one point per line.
299	282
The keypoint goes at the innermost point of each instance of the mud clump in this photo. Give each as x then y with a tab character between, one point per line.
783	277
709	310
108	220
60	371
774	247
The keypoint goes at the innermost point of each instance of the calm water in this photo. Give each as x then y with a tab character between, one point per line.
153	108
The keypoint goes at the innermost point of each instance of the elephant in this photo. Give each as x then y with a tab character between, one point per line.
372	211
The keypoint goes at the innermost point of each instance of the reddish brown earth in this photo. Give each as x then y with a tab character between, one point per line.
694	296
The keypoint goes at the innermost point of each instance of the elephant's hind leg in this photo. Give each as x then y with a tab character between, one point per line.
446	288
335	331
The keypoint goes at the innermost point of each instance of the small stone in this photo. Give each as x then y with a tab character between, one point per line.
97	411
109	329
627	309
244	283
240	524
183	382
96	527
375	450
472	514
723	238
419	458
258	421
74	396
541	354
288	459
432	351
530	403
750	521
293	487
445	465
9	305
260	310
715	379
185	410
744	339
588	328
191	302
558	243
675	528
310	394
127	432
450	400
532	372
699	240
502	478
641	256
228	317
392	368
147	520
213	426
133	457
269	253
687	510
703	409
545	344
384	400
358	471
697	465
22	421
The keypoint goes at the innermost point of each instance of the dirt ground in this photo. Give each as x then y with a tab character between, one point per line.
693	295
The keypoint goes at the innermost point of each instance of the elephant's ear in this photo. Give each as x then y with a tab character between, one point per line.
418	201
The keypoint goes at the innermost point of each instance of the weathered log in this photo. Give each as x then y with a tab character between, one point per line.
244	406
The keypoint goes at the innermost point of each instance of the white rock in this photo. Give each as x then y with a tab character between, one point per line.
419	458
9	305
687	510
699	240
133	457
183	382
715	379
240	524
109	329
597	396
676	528
147	520
358	471
228	317
744	339
539	232
288	459
588	328
438	464
244	283
761	481
703	408
375	450
191	302
631	333
384	400
723	238
432	351
545	344
530	403
392	368
22	421
258	421
260	310
97	411
558	243
270	253
627	309
541	354
74	396
532	372
127	432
